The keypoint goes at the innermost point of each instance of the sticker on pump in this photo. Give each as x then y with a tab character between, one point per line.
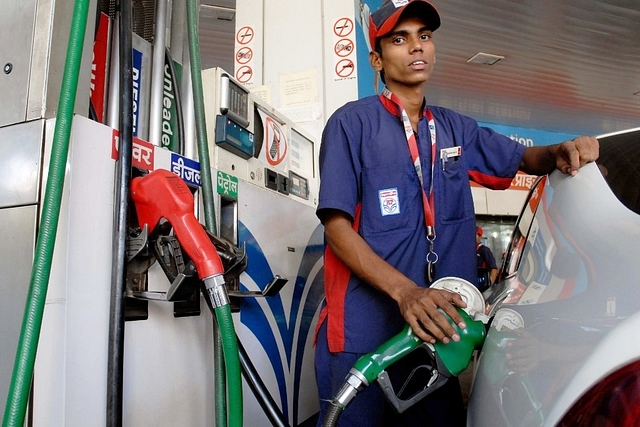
275	145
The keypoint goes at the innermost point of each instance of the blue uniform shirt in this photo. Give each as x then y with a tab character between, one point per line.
365	164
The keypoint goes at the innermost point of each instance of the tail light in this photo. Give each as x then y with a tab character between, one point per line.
614	401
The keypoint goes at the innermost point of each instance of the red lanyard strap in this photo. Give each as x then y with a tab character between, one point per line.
427	202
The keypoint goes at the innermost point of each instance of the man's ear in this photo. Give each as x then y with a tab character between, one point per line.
376	61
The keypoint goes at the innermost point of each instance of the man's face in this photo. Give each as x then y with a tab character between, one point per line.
408	54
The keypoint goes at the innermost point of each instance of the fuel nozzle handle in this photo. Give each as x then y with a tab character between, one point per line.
454	355
162	194
451	358
368	367
371	365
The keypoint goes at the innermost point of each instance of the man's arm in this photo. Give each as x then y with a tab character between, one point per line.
419	306
493	273
491	263
568	157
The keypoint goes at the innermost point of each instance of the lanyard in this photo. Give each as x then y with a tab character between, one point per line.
427	202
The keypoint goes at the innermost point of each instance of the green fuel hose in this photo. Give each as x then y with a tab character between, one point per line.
201	128
223	313
232	363
17	398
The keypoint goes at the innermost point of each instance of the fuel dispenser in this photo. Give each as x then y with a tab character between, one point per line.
269	242
278	155
267	185
268	237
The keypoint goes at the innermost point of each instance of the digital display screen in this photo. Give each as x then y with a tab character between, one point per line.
234	100
301	153
238	100
298	186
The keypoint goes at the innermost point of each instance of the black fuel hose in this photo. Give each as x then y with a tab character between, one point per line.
332	416
259	390
255	383
115	363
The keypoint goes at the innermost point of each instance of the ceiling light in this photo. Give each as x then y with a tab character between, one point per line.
485	58
226	15
218	12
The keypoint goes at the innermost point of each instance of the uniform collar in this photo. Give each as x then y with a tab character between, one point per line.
393	108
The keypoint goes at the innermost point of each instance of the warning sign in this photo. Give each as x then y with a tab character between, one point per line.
244	74
344	47
244	55
343	27
245	35
275	142
344	68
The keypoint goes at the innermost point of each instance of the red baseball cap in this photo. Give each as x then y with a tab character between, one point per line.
479	231
382	21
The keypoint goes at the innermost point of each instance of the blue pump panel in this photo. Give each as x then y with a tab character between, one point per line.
233	137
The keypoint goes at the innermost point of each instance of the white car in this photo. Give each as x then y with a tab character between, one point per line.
563	348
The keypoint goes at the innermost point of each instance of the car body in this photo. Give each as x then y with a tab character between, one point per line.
563	347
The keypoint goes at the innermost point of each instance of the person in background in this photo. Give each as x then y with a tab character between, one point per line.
486	260
395	201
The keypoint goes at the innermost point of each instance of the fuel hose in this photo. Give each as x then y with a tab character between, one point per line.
115	351
223	312
22	375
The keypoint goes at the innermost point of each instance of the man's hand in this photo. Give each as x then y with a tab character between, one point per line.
574	154
419	307
568	157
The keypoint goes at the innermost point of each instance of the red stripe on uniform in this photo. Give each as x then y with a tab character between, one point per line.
491	182
336	280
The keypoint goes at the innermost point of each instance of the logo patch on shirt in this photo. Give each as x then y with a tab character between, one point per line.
389	201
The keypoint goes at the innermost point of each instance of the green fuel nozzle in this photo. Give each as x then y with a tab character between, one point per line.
455	356
446	360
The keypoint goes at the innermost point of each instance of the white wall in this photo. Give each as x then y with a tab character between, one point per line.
495	202
294	57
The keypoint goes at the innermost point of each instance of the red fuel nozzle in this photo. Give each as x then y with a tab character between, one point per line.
162	194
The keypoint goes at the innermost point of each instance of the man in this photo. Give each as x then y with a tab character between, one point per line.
393	224
486	260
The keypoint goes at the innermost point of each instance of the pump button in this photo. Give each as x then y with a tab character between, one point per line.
271	179
283	184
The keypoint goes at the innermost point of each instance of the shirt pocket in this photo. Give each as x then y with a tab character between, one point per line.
454	202
391	199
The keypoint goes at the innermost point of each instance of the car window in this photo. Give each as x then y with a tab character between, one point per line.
521	229
619	165
544	261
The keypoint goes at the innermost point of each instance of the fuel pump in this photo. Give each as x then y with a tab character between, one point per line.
266	211
162	194
442	360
